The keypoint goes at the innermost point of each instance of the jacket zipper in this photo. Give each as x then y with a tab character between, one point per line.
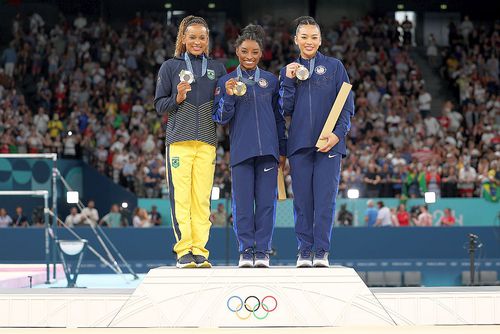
197	109
310	106
257	120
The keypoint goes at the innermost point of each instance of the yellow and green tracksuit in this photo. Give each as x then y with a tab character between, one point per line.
190	168
191	143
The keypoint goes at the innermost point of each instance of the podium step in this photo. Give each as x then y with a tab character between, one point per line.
232	297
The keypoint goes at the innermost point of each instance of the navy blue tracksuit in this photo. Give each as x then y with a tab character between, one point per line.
257	139
315	175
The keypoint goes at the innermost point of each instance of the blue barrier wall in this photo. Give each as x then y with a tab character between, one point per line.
439	253
465	210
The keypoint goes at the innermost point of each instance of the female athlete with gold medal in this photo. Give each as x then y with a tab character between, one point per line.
247	100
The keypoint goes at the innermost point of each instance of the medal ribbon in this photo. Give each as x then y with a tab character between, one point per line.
311	65
190	66
245	80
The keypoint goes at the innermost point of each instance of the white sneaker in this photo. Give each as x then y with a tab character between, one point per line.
261	260
305	259
246	260
321	259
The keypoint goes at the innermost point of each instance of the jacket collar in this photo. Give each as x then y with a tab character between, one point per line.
181	57
318	56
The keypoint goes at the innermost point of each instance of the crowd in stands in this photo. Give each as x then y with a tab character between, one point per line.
89	215
376	215
470	64
399	146
84	90
379	215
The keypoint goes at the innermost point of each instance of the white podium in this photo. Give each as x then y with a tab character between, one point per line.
254	297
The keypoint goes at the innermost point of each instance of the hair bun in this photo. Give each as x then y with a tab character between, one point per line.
252	32
304	20
253	29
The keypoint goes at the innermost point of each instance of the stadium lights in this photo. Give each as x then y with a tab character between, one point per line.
124	205
215	193
211	5
443	6
72	197
167	5
352	193
401	6
430	197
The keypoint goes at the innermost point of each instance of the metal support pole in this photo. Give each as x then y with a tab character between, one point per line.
46	211
47	239
29	155
472	249
54	210
52	156
96	229
227	231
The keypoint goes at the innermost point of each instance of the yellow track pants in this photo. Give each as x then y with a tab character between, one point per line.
190	174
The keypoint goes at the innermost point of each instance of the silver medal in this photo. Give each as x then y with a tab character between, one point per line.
186	76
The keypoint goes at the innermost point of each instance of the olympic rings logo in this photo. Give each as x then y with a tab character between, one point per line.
252	305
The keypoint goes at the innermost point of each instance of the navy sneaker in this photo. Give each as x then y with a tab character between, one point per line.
201	261
305	259
321	259
261	260
246	259
186	261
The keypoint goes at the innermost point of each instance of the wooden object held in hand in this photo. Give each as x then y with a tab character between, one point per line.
338	104
281	185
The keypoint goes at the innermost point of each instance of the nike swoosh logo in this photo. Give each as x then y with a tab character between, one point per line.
268	169
331	156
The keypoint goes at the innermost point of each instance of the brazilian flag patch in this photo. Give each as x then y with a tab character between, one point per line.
211	74
176	162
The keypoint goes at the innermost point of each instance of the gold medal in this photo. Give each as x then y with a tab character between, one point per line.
240	89
302	73
186	76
